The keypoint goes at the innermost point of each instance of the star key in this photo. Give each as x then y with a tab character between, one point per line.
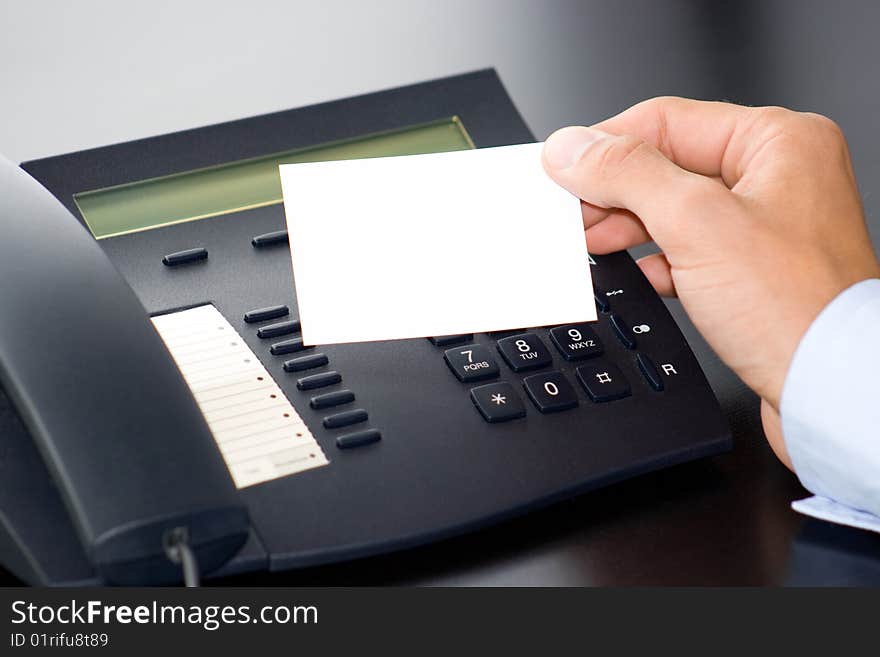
498	402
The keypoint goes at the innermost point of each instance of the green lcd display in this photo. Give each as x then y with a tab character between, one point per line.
245	184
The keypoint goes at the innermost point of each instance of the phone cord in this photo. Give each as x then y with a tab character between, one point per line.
178	551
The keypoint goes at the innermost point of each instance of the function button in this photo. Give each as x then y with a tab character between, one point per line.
321	380
650	372
183	257
576	341
281	328
446	340
498	402
603	381
270	239
345	418
358	439
330	399
306	363
602	302
623	331
506	332
550	392
262	314
524	352
288	347
472	362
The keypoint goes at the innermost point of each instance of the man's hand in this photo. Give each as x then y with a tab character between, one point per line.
756	210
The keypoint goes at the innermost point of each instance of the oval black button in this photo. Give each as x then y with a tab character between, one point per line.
306	363
623	331
345	419
445	340
318	380
183	257
650	372
281	328
262	314
330	399
358	438
288	347
269	239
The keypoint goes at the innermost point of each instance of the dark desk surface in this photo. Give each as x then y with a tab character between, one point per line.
724	520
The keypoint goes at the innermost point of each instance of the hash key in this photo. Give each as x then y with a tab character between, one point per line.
603	381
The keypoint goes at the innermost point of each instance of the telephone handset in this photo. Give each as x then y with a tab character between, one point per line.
114	421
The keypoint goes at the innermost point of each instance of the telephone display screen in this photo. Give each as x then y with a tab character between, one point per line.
245	184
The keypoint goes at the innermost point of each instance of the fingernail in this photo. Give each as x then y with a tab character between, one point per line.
565	147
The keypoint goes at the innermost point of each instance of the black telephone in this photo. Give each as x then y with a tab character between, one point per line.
111	461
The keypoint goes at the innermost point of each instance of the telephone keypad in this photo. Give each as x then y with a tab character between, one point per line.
603	381
550	391
471	363
524	352
576	341
498	402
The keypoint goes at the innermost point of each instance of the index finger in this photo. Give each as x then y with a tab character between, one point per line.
704	137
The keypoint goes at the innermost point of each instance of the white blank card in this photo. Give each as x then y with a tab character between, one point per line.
427	245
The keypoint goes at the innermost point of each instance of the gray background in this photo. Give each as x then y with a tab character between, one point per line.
75	75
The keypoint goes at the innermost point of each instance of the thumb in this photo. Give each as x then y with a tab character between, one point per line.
624	172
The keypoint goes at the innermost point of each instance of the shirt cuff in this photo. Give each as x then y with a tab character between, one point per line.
840	514
830	410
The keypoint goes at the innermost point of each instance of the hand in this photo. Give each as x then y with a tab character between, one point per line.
756	210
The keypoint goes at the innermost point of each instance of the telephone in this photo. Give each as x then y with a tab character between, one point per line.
158	411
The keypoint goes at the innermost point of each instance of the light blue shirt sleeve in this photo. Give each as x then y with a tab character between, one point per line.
830	410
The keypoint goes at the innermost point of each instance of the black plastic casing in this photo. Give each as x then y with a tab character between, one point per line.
439	469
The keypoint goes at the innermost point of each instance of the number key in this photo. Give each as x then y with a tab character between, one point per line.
524	352
550	392
576	341
471	363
